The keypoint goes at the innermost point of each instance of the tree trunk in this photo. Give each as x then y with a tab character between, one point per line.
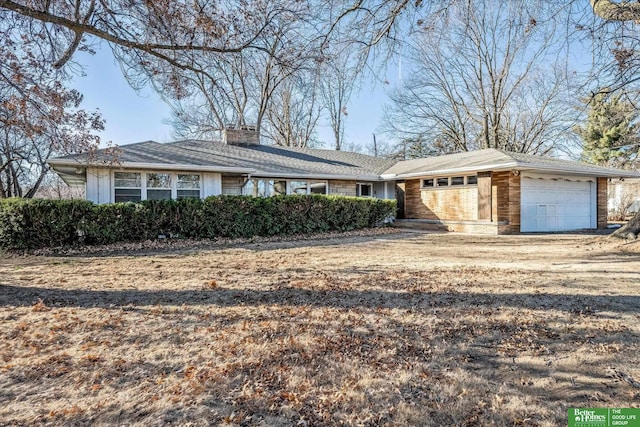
630	230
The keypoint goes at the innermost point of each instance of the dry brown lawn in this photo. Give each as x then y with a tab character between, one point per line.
387	329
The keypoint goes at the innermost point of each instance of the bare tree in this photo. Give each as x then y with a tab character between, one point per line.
484	77
220	97
38	115
238	88
616	45
294	112
175	31
53	187
217	62
340	75
165	29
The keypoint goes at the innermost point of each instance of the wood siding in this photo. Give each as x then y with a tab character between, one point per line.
601	199
505	191
450	203
232	185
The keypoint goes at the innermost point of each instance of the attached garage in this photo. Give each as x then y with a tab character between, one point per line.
557	203
510	192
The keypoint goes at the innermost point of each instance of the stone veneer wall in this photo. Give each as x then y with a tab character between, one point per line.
342	188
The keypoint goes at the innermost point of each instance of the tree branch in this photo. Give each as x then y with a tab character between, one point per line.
612	11
82	27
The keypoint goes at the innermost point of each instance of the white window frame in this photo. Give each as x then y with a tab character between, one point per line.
448	178
143	182
318	181
288	185
359	189
171	188
177	174
142	188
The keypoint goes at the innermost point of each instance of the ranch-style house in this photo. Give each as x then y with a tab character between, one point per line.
485	191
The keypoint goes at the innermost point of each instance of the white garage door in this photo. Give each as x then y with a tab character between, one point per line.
557	204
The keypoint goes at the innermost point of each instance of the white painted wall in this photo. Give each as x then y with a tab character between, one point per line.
211	184
98	187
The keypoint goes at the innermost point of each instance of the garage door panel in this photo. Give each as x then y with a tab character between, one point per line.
528	211
555	205
528	224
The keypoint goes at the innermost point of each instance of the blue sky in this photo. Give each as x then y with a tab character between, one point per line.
134	117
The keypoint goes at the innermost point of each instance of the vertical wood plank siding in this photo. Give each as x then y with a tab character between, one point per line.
451	203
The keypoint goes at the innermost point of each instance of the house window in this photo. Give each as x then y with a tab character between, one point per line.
249	188
188	186
318	187
298	187
128	186
443	182
277	188
256	188
364	190
454	181
158	186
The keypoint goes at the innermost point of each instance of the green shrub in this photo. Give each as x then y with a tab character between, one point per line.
41	223
28	224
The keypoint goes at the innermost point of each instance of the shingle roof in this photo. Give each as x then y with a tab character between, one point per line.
256	159
492	159
276	159
265	160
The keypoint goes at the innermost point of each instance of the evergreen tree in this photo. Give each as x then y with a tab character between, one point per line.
611	132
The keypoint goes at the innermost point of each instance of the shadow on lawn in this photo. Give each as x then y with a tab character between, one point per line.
418	238
178	247
446	357
14	295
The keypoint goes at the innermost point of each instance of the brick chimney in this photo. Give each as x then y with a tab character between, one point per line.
243	135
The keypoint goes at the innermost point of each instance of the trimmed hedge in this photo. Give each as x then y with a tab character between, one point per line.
30	223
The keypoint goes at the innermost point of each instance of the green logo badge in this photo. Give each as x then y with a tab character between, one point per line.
604	417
